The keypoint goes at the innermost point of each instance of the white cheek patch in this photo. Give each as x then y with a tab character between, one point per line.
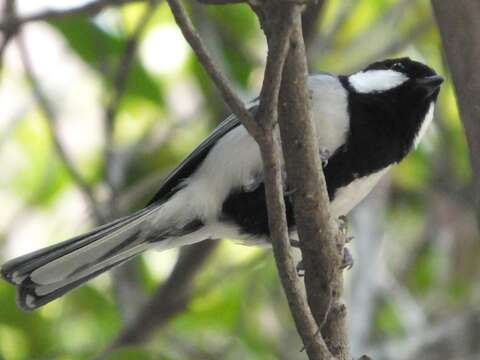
376	80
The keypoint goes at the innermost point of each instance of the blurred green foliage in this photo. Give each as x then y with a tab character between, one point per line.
244	316
103	51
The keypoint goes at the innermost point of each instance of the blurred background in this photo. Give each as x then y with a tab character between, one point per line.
98	104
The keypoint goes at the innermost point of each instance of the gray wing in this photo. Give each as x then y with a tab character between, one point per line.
188	166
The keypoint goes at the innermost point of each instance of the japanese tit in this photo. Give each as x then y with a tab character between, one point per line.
365	123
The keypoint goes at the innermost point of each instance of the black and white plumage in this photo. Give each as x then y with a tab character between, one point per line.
367	121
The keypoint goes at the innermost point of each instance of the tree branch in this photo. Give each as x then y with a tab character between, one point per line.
8	11
233	101
90	8
460	31
278	28
319	238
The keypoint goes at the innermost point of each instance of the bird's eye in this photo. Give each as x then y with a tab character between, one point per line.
398	67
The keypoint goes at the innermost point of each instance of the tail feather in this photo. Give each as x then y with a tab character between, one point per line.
29	298
44	275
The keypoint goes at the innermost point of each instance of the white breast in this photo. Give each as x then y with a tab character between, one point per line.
347	197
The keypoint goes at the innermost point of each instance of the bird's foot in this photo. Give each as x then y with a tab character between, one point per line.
324	156
347	261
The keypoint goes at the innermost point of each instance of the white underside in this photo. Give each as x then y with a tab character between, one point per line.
347	197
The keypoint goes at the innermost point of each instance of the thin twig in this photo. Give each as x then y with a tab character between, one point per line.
279	43
90	8
8	11
320	240
278	30
233	101
52	122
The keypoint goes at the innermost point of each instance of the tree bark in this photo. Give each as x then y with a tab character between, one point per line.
320	241
459	26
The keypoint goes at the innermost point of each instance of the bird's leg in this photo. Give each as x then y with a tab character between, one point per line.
324	156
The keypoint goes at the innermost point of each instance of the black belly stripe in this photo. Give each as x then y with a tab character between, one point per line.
248	211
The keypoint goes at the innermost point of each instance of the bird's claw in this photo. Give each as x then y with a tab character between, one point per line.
324	156
347	261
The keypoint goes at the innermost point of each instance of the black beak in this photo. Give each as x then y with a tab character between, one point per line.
430	83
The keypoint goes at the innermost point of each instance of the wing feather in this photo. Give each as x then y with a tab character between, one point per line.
188	166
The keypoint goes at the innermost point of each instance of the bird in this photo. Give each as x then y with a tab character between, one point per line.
365	123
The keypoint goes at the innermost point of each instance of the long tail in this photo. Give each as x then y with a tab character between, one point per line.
47	274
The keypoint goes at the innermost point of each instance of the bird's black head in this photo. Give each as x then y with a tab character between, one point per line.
399	77
390	104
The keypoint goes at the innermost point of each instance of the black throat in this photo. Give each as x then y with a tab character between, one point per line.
382	130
